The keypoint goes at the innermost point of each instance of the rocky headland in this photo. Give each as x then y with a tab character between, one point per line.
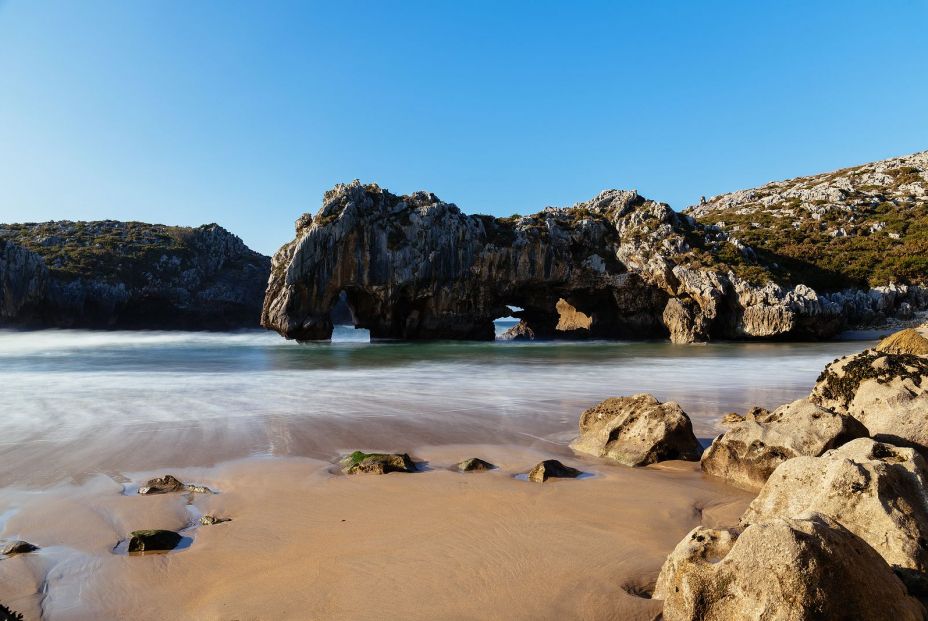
128	275
617	266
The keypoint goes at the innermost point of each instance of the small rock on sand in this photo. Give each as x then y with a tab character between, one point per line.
377	463
552	468
153	540
18	547
474	464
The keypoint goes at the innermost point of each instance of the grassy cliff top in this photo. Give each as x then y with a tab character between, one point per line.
860	226
114	251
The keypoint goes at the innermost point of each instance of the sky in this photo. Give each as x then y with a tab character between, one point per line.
244	113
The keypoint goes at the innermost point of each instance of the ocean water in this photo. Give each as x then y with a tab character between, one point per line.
75	403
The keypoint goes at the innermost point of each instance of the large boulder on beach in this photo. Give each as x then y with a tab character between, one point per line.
751	450
637	431
360	462
875	490
886	391
782	570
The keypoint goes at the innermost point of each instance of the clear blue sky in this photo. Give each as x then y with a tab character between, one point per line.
244	113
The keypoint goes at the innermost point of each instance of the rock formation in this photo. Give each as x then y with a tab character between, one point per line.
415	267
128	275
749	451
637	431
781	570
876	491
887	392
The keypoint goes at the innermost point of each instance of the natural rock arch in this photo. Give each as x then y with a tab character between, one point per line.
415	267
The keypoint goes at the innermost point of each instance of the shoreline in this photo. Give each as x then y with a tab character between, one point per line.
434	544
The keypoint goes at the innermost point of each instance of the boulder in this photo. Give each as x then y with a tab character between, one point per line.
474	464
169	484
637	431
875	490
887	392
784	569
153	540
552	469
377	463
18	547
750	451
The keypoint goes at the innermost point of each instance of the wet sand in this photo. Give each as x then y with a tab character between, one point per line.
307	543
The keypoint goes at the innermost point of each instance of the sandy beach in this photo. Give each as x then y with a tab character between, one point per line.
308	543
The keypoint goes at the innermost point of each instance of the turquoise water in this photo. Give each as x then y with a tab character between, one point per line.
78	402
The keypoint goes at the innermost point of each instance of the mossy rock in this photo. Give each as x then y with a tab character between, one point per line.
153	540
360	462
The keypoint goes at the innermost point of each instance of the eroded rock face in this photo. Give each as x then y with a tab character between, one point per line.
23	279
875	490
637	431
748	453
886	392
128	275
415	267
781	570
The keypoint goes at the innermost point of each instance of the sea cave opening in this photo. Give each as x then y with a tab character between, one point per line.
345	322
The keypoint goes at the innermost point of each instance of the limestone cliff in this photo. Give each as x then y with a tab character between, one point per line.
416	267
131	275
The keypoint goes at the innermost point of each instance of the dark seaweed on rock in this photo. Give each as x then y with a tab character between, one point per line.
8	615
870	364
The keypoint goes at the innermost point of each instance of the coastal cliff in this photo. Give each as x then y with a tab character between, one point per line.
128	275
416	267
